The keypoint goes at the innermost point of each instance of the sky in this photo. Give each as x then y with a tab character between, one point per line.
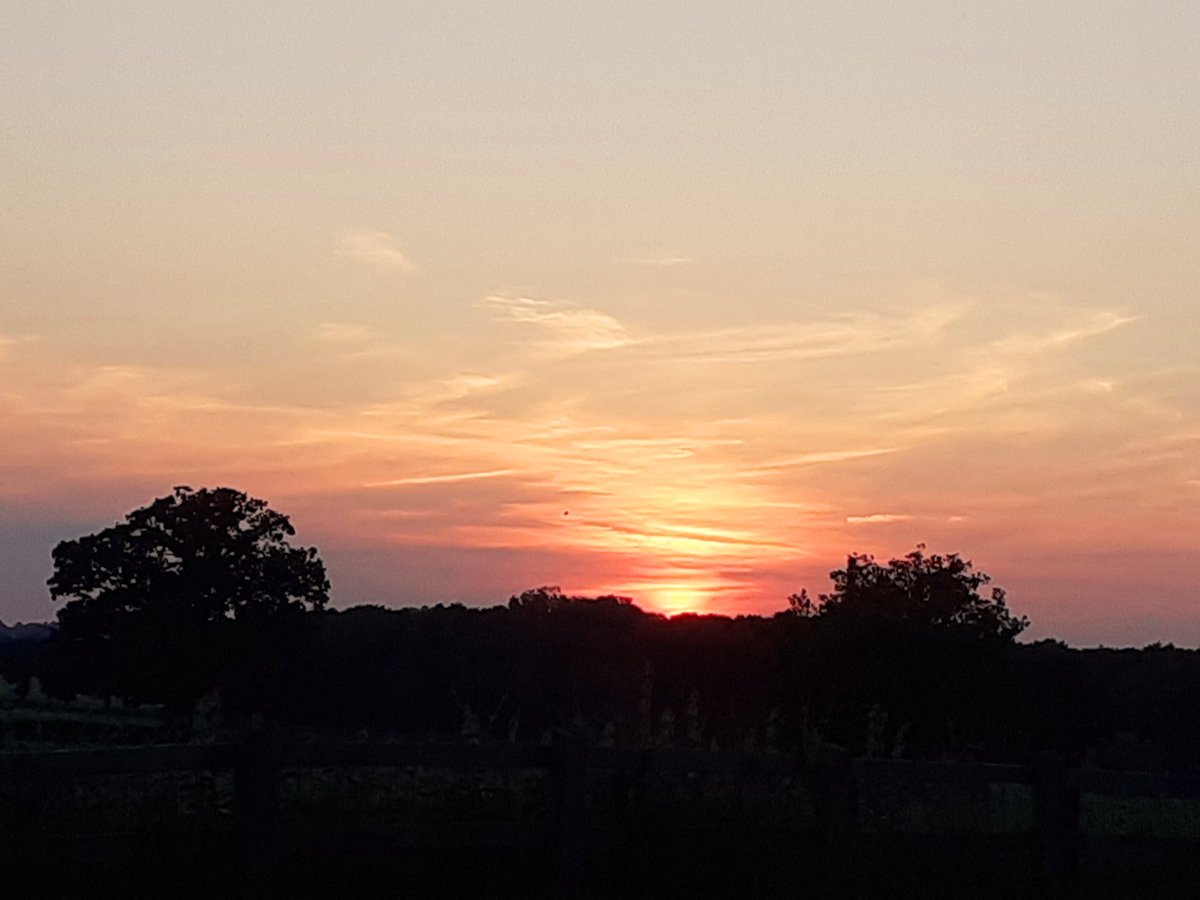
684	301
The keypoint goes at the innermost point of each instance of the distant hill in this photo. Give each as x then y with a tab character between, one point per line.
26	631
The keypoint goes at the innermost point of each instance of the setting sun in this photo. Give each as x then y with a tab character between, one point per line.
676	600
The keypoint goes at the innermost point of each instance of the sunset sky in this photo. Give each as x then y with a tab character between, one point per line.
684	301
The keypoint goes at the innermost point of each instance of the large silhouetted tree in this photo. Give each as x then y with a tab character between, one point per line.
153	600
918	640
920	590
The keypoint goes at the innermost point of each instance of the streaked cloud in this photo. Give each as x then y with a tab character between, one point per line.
568	327
877	519
801	340
824	456
1085	324
377	248
441	479
572	328
470	384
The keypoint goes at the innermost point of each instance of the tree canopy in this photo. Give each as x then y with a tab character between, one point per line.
549	599
148	593
919	590
201	555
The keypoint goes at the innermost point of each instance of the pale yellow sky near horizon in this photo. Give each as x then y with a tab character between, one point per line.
685	302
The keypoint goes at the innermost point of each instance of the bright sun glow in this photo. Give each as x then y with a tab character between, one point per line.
674	599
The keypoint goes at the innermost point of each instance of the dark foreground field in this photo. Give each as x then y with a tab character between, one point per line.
531	822
568	746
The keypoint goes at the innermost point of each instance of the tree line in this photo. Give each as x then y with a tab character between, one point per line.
200	598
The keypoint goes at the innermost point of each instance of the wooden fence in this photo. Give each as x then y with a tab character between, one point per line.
835	786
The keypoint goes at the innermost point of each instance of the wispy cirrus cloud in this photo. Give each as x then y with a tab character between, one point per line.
450	478
568	327
819	457
355	342
572	328
814	339
376	248
1083	324
877	519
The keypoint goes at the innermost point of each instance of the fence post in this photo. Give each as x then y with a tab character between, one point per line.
257	797
569	793
1056	821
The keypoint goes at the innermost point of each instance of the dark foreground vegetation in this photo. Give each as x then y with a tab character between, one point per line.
615	675
322	818
699	755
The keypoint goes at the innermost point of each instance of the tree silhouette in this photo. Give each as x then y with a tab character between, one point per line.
919	590
539	601
548	599
152	601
